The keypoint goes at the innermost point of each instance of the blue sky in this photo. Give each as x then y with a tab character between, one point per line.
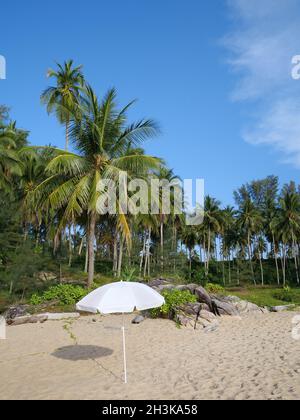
214	73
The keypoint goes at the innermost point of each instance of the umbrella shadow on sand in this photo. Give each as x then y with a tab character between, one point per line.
78	352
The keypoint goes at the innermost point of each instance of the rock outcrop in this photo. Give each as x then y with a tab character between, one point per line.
209	307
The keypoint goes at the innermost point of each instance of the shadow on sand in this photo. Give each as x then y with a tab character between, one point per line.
77	352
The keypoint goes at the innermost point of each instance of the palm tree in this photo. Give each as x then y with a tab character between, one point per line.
189	238
249	221
149	225
164	174
272	235
33	165
227	233
261	247
287	224
211	226
101	136
65	95
10	164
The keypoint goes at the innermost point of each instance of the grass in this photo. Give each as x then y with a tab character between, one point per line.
261	296
265	296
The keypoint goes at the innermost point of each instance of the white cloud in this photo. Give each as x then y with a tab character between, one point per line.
280	128
265	37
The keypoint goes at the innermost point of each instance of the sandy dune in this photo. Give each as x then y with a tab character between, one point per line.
252	358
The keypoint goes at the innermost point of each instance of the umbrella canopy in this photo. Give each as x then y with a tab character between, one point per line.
121	297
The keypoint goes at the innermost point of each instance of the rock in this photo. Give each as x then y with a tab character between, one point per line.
193	315
16	311
246	307
159	282
189	287
243	306
138	319
205	307
29	319
185	321
163	287
59	317
281	308
225	308
208	316
190	308
203	297
232	299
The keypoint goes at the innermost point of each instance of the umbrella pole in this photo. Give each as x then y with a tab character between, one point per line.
124	352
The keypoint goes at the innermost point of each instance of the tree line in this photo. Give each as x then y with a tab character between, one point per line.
49	197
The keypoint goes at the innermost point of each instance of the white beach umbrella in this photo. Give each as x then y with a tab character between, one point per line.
121	297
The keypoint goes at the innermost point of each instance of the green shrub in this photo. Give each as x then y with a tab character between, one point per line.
214	289
66	294
173	298
286	295
36	300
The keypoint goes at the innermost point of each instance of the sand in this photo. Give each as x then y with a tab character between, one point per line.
252	358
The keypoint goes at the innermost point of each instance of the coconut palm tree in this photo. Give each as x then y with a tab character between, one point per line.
260	249
100	134
33	165
167	175
65	95
249	221
228	235
211	226
189	239
287	225
10	164
148	223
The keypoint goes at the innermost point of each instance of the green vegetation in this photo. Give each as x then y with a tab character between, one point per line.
52	232
173	298
64	294
215	289
267	296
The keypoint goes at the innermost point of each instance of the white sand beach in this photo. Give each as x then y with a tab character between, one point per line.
252	358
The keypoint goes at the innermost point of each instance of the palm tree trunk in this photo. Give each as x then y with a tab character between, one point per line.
143	254
229	267
276	260
204	255
190	264
11	285
283	262
81	246
208	252
261	269
91	249
295	258
162	246
175	248
115	256
148	252
38	233
146	264
250	258
120	255
223	269
70	245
